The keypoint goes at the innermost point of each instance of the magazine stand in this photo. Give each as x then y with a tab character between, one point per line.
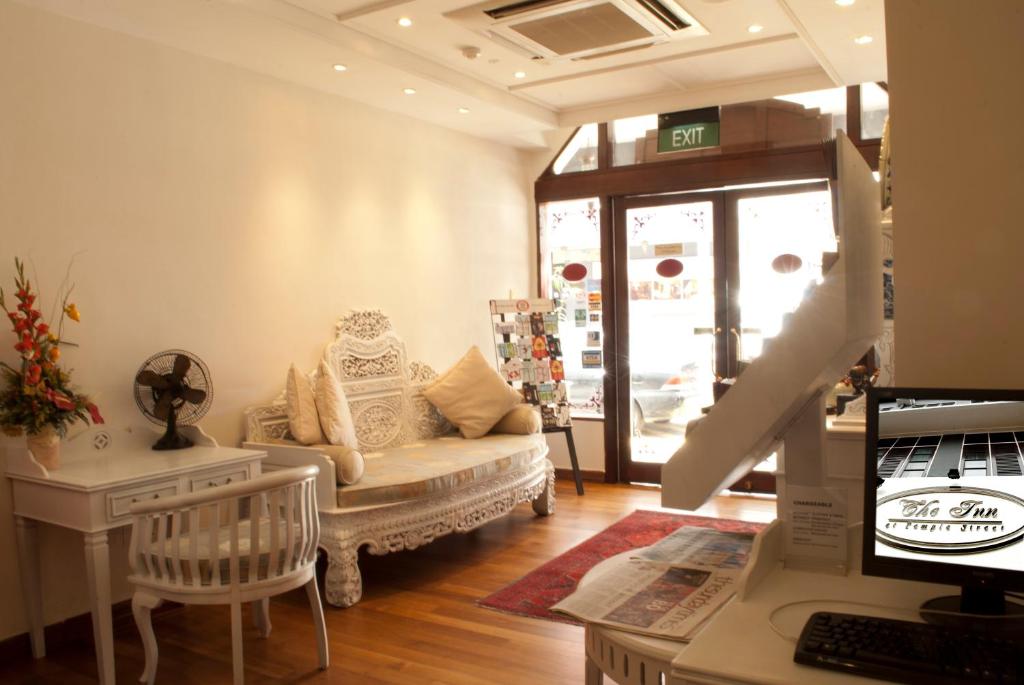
528	353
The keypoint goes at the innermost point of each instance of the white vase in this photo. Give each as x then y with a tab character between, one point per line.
45	448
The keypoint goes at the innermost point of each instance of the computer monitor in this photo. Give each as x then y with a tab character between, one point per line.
944	493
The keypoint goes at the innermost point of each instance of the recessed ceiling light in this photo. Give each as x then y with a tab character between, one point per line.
409	91
404	22
863	40
463	110
340	67
520	74
845	3
755	28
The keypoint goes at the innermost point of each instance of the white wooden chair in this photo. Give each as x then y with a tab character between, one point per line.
242	542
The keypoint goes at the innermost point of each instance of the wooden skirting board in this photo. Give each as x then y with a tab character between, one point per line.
566	474
73	630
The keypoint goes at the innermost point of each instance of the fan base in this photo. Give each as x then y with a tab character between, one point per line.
172	441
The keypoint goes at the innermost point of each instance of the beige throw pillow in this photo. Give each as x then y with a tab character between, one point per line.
335	416
348	463
303	420
522	419
472	395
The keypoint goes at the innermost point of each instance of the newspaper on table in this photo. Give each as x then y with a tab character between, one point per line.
667	590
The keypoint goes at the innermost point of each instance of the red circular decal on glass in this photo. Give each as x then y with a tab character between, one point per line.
574	272
787	263
669	268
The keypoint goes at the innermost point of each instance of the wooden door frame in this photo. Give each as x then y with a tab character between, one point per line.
608	182
621	429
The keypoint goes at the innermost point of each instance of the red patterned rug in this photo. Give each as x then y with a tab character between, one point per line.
535	593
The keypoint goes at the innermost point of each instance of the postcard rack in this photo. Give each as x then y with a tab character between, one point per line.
529	357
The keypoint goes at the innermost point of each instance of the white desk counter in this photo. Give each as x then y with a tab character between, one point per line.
103	472
738	646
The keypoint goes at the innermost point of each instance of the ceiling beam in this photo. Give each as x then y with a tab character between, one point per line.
812	45
665	59
719	94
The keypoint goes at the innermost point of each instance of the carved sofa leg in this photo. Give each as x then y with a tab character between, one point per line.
343	583
544	505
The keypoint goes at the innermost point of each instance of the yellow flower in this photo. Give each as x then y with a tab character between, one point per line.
72	311
54	354
51	337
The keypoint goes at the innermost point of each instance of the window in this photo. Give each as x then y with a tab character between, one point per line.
830	105
631	139
571	268
874	108
580	153
907	457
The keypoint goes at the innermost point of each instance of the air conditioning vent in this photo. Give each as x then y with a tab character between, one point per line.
520	7
580	29
664	15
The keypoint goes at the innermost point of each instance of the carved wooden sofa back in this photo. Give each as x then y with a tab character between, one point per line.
382	388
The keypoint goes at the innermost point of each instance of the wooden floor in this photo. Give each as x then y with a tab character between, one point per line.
417	622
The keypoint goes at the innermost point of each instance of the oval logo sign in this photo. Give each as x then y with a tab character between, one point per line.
949	520
574	272
787	263
669	268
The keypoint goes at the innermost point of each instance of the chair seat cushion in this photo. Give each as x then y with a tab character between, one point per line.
170	570
422	468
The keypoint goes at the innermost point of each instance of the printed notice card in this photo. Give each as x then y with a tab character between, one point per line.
816	527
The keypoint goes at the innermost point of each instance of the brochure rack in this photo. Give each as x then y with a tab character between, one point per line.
529	357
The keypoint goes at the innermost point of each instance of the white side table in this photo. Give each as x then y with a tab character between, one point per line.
626	658
103	471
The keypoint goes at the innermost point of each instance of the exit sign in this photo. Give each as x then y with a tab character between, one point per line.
690	130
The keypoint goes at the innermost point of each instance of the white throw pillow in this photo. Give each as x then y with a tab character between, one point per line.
348	463
522	419
472	395
335	416
303	420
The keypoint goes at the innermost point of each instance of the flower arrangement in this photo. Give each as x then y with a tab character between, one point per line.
37	398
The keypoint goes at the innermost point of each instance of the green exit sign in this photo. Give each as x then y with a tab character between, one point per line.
690	130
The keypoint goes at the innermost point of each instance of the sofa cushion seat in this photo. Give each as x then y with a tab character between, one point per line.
425	467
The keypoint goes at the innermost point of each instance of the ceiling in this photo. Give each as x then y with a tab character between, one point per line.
803	45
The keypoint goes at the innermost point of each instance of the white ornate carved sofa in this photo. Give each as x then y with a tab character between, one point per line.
421	479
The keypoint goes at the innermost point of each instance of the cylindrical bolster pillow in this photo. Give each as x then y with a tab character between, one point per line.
348	463
522	419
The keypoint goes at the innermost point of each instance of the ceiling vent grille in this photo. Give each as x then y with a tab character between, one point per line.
581	29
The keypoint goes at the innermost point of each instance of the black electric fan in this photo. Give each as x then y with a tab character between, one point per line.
172	388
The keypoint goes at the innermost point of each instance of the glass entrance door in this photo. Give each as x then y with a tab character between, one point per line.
703	283
783	237
670	332
779	241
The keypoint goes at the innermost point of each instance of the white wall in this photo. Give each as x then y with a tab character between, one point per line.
229	214
956	97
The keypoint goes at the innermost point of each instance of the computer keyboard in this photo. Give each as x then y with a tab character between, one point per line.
906	652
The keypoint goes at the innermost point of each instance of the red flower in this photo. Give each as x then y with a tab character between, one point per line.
60	400
13	316
34	374
21	325
22	292
27	343
29	299
94	412
43	328
34	315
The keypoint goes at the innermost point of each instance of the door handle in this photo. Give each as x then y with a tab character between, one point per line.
714	354
739	342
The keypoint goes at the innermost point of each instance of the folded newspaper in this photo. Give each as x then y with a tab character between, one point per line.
667	590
